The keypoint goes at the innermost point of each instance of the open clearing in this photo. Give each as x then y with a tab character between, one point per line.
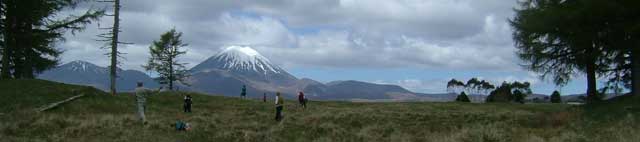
100	117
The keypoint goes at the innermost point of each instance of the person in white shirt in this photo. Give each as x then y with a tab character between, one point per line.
141	98
279	106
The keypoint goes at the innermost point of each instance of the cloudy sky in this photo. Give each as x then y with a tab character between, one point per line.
417	44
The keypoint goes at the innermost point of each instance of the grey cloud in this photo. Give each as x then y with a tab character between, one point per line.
460	34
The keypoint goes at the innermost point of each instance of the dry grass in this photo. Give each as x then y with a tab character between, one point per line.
111	118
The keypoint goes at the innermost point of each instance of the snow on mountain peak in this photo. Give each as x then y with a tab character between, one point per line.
83	66
245	58
242	49
79	65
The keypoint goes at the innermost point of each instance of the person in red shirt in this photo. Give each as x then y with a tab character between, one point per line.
302	100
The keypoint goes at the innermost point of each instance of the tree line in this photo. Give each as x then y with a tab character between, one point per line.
561	39
507	92
473	85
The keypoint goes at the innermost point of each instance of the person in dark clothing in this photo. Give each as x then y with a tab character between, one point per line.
264	97
279	106
187	103
243	94
302	100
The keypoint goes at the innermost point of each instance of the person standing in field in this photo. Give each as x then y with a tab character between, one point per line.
302	100
243	94
141	98
187	103
279	106
264	97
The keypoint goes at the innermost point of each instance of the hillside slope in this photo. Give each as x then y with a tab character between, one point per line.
216	118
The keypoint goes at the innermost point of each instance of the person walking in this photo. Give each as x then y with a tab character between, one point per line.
302	100
243	94
187	103
279	106
264	97
141	94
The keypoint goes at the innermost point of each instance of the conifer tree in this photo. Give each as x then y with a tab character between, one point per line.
29	31
164	54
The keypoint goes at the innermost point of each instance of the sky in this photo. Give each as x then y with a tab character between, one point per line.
416	44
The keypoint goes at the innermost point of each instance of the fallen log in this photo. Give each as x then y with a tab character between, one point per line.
53	105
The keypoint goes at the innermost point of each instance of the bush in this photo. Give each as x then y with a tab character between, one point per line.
555	97
463	98
510	92
501	94
519	96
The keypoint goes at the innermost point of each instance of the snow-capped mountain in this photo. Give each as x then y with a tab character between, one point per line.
234	66
227	71
82	66
85	73
239	58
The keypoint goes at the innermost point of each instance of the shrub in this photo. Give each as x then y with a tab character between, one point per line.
463	97
518	96
555	97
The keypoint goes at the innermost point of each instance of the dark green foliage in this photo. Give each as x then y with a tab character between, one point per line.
463	98
518	96
30	31
620	33
555	97
596	37
510	92
473	85
164	54
453	85
500	94
552	37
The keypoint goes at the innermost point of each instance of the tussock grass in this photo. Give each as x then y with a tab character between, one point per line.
100	117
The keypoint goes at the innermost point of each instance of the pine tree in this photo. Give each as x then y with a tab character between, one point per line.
622	37
552	37
30	32
555	97
164	54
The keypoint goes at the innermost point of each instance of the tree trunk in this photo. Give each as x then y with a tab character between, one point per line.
18	44
27	51
5	71
114	46
171	74
635	70
591	82
9	28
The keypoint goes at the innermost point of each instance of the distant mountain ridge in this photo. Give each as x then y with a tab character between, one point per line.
227	71
85	73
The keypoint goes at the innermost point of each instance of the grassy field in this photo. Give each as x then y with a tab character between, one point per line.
100	117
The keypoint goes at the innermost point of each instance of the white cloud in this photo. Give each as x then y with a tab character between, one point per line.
455	35
429	34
